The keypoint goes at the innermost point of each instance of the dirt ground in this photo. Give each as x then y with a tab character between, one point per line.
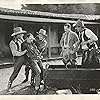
17	87
24	89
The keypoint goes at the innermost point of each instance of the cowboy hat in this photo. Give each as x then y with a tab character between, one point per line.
42	31
79	23
18	30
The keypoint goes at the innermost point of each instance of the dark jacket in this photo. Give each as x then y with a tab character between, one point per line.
32	51
41	43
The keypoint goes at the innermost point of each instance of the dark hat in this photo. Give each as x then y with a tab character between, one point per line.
79	23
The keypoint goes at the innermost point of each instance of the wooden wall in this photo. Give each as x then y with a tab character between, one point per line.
5	32
54	32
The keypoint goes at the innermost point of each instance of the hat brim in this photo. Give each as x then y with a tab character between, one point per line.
41	33
21	32
75	25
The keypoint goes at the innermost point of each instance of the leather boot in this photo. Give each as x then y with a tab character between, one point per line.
9	86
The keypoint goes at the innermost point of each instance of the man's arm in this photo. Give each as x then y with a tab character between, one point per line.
62	40
91	36
76	40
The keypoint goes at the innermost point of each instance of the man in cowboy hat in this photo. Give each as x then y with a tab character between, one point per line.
69	38
88	44
41	40
15	46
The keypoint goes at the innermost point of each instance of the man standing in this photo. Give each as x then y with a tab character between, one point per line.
87	43
15	46
41	43
33	55
69	38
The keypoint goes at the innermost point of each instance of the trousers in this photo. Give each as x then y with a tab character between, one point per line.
36	68
19	61
89	57
27	68
67	57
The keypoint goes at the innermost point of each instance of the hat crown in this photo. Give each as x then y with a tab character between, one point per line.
17	29
43	32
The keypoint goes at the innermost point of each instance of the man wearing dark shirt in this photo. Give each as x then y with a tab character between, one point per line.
32	56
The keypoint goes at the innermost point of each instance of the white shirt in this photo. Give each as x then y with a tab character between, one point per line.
90	35
14	49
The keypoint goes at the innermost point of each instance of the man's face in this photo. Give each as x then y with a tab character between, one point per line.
79	29
19	36
41	36
29	39
66	28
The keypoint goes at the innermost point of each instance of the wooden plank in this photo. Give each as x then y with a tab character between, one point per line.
65	78
49	41
37	19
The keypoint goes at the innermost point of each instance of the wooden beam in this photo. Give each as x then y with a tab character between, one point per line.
37	19
49	41
97	33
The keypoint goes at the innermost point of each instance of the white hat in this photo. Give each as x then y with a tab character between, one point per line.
42	31
18	30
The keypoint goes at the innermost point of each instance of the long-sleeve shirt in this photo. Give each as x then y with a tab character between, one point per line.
14	49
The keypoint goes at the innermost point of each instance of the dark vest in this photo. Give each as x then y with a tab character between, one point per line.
17	45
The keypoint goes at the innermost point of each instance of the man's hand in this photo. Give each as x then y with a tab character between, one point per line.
66	46
62	48
25	51
71	52
86	42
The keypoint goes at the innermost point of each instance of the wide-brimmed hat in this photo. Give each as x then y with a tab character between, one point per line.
18	30
42	31
79	23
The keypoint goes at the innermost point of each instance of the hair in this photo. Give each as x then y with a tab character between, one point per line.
68	25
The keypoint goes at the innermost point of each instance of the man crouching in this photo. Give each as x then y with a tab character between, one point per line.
32	57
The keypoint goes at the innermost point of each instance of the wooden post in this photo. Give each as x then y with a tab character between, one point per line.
49	41
97	32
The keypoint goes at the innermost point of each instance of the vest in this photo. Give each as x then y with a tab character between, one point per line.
17	45
86	39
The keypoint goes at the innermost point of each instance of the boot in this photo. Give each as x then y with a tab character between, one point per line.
9	86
